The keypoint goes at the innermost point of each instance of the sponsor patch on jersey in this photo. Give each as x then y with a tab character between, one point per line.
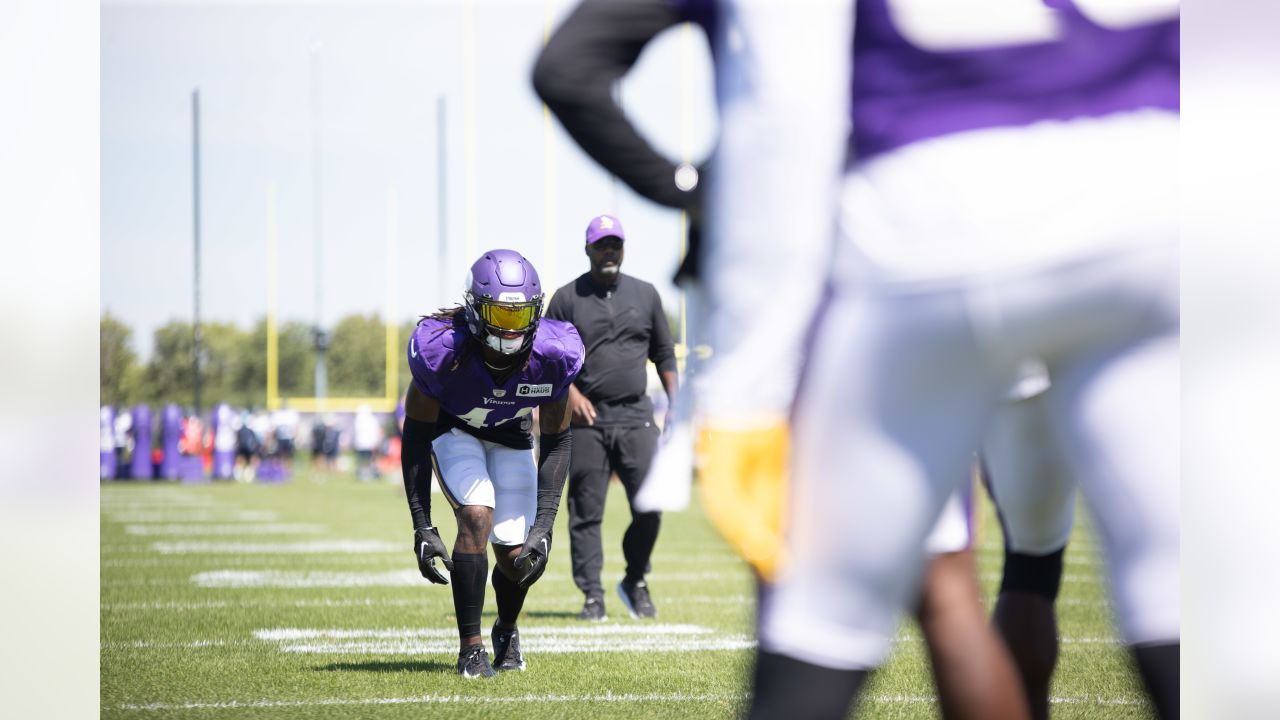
528	390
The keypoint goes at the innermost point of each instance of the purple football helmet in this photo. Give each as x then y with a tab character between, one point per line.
502	301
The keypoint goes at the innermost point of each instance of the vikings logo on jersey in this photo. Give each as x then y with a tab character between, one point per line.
468	392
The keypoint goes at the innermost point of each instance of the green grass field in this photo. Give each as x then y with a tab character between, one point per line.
303	601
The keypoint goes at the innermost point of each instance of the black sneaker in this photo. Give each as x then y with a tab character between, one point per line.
635	595
473	662
593	609
506	649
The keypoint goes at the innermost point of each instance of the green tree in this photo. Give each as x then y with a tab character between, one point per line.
225	352
356	361
168	374
117	362
296	360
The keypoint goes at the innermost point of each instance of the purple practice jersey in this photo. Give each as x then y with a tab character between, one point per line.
471	400
923	69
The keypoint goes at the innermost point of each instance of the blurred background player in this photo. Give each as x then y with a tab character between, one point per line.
248	448
1008	195
595	46
366	437
479	370
284	427
622	325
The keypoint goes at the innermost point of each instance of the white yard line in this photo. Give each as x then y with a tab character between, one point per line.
339	545
560	699
443	700
227	529
296	579
449	646
189	515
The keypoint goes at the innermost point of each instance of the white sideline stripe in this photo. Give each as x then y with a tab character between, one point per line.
592	698
285	579
229	529
282	634
399	578
443	700
202	515
315	546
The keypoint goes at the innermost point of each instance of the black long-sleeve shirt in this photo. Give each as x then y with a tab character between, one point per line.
595	46
622	327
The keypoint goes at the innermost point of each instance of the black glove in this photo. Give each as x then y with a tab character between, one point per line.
427	546
532	560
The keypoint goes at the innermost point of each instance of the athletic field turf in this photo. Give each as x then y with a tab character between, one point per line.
303	601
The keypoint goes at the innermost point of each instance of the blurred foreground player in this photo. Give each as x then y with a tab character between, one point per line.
1009	193
479	370
595	46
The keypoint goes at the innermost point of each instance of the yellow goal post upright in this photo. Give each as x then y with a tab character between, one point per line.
391	397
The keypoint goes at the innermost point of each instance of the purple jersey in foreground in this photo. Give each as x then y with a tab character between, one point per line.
470	399
915	76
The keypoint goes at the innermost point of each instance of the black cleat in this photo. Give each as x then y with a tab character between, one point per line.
506	649
635	595
593	609
473	662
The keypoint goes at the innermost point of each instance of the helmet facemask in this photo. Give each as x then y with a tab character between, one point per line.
507	326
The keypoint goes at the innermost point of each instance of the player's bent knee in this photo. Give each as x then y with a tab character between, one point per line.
475	522
1037	574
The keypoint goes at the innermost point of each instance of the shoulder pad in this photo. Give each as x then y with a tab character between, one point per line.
432	351
559	343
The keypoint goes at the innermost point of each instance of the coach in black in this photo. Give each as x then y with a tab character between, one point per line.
622	324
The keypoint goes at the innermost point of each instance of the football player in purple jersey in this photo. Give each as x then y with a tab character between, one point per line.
479	370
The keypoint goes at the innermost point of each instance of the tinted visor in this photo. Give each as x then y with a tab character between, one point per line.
514	317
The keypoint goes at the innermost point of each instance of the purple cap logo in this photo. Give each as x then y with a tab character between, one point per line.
604	226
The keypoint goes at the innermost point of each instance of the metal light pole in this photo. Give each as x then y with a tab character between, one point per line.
197	344
320	337
441	203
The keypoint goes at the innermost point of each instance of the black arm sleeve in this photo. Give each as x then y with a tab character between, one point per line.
415	463
554	450
597	44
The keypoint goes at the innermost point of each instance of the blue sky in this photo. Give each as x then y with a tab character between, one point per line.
380	68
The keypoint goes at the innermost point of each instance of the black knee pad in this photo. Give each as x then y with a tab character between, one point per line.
1037	574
